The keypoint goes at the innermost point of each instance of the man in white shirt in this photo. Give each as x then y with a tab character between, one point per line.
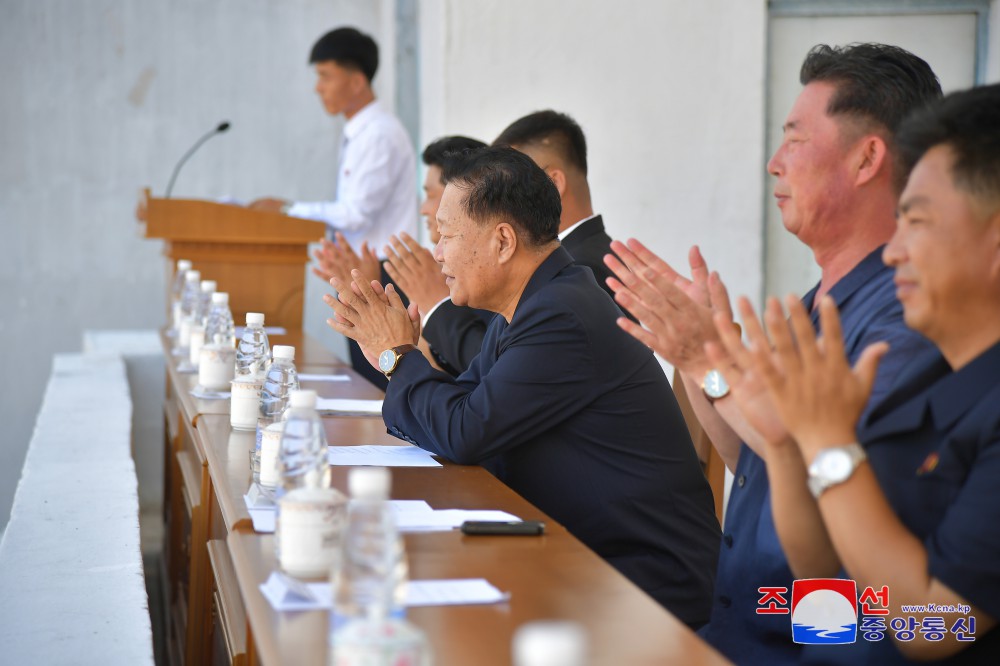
377	180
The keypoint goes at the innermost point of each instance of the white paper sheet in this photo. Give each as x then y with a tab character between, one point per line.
456	592
447	519
285	593
263	520
305	377
203	393
262	513
349	407
381	456
270	330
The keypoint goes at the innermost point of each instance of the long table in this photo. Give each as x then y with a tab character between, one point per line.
215	561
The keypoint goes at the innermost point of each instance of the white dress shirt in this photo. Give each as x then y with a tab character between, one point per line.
377	182
568	230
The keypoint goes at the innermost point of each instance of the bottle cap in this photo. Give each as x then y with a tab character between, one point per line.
255	319
192	276
283	351
208	286
369	483
220	298
302	398
183	265
550	643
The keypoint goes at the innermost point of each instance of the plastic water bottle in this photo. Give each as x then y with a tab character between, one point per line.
196	336
371	581
176	291
369	585
280	379
189	299
219	328
382	642
254	350
204	304
302	460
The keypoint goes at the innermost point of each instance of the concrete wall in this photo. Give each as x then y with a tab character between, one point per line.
669	94
101	98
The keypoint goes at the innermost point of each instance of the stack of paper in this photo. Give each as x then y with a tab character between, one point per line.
203	393
411	515
349	407
305	377
289	594
381	456
270	330
447	519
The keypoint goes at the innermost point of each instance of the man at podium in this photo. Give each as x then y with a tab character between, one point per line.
377	177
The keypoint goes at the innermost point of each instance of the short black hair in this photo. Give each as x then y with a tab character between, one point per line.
559	130
968	122
876	84
348	47
498	181
438	153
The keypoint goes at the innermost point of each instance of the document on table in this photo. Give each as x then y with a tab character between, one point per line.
203	393
270	330
305	377
263	519
262	512
285	593
349	407
447	519
381	456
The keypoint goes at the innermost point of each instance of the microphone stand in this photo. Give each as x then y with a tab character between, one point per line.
222	127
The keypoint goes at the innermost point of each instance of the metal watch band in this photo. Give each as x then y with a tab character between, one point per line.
819	483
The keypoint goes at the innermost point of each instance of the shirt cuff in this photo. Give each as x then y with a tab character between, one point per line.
423	323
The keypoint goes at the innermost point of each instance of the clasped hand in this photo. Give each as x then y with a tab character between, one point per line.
337	260
414	269
373	317
675	312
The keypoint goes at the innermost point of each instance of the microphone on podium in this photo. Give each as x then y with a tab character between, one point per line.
219	129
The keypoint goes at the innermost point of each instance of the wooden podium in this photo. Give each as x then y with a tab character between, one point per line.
258	257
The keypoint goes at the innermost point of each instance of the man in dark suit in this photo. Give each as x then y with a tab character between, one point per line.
557	144
562	405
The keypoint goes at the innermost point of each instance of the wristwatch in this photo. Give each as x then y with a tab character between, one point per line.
389	359
834	465
714	386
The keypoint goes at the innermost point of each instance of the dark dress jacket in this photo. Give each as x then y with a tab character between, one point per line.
576	416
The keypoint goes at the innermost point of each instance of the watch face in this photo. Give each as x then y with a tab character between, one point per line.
386	360
835	465
714	385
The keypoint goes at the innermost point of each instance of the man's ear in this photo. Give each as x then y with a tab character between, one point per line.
993	238
558	178
359	82
506	242
871	157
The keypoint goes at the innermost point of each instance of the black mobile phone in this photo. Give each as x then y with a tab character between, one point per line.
503	527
